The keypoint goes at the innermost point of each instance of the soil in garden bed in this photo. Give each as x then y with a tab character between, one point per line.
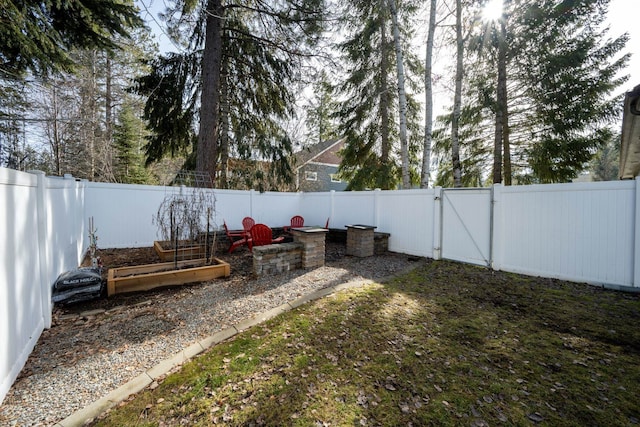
241	270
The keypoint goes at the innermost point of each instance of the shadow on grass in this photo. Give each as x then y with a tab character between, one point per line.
447	344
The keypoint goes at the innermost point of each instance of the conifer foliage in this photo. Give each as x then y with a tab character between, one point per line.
37	36
230	90
368	114
559	82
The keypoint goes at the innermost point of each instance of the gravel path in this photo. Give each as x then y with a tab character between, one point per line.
93	348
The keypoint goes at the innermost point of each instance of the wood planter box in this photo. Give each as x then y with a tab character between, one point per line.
190	250
150	276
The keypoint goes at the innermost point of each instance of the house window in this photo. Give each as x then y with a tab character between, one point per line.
311	176
335	177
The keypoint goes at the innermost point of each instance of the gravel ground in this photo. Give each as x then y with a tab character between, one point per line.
95	347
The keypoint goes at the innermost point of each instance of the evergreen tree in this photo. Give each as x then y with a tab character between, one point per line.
475	153
572	73
320	111
371	153
129	141
605	165
554	99
12	108
231	87
80	108
38	36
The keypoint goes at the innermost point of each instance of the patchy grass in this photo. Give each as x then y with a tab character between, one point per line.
447	344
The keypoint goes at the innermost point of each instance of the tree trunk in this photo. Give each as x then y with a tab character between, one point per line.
207	150
108	119
56	143
428	114
385	149
457	101
504	101
501	121
402	99
224	130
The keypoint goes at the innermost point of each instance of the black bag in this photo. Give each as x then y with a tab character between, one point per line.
81	284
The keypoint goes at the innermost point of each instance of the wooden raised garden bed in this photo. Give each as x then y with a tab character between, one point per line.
150	276
186	250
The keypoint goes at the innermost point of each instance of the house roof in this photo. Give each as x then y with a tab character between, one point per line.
325	152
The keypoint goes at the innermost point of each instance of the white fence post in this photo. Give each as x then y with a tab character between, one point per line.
43	247
251	196
496	227
437	223
376	207
636	248
333	204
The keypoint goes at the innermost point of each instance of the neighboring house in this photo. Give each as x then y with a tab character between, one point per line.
316	167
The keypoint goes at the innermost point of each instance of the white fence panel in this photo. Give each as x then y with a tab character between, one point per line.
66	225
22	315
466	225
578	232
231	207
316	208
353	207
275	209
408	216
41	228
123	214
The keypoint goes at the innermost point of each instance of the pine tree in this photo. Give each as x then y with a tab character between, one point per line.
572	73
605	164
233	80
129	140
559	74
370	156
39	36
12	108
320	111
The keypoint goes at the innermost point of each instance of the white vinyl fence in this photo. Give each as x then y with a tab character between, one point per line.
588	232
41	235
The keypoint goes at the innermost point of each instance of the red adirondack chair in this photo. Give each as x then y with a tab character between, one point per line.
237	238
261	235
247	223
296	221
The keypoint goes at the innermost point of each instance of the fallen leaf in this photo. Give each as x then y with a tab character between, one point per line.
536	417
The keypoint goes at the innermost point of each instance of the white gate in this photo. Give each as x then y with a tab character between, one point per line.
466	225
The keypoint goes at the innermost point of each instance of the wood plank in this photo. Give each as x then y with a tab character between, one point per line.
194	251
122	280
158	267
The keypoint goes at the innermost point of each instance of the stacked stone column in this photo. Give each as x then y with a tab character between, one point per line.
360	240
313	241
